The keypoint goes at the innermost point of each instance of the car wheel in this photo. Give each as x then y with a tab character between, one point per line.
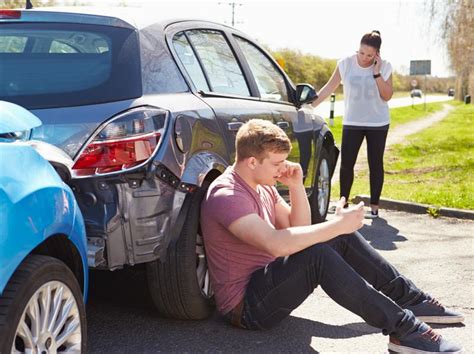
179	285
319	199
42	310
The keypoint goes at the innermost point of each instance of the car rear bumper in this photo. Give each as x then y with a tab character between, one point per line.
130	219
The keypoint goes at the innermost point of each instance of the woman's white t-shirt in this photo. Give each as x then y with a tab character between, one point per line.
363	105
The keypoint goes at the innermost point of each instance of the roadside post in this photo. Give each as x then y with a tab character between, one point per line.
413	83
331	110
424	96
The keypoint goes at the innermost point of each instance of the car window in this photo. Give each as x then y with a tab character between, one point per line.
189	60
12	44
270	81
65	64
59	47
219	63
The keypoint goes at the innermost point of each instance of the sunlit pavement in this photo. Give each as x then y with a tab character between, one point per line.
435	253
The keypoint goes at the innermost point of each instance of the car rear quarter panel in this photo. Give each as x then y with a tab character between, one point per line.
136	219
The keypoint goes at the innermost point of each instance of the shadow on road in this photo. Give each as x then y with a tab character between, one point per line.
138	329
121	318
381	235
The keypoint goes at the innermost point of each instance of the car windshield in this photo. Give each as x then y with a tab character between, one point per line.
44	65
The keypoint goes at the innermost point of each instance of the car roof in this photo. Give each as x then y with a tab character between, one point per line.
112	16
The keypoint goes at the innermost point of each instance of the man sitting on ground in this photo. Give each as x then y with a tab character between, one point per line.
265	258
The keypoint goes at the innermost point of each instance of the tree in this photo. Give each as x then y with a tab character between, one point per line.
21	4
456	19
13	4
302	67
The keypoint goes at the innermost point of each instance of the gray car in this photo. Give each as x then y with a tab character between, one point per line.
147	109
416	93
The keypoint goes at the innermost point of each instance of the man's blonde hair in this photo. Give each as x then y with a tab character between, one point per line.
258	137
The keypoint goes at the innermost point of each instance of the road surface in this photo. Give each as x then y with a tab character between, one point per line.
437	254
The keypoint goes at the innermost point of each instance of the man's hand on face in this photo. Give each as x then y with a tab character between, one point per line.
292	175
351	219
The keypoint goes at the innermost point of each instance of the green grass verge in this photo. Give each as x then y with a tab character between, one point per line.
434	167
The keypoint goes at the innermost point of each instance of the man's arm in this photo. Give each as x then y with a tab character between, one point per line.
299	214
279	243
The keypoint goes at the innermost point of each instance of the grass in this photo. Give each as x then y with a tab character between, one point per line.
433	167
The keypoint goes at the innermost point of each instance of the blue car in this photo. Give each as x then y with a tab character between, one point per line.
43	247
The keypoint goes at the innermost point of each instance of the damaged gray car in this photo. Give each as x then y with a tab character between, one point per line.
146	110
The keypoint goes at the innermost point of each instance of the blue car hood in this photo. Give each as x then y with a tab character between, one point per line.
14	118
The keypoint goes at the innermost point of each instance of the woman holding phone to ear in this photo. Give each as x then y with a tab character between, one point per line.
367	80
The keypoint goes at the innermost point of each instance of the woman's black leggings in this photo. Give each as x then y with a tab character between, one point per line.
351	142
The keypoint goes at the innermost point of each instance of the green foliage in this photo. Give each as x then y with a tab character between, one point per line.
454	21
309	68
13	4
305	68
20	4
432	84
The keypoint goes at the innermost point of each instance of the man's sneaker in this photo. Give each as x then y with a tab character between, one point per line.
430	310
422	340
370	214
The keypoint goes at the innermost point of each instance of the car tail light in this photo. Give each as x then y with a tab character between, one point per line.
125	142
10	14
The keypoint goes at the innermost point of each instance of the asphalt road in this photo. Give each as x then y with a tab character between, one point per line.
324	108
438	254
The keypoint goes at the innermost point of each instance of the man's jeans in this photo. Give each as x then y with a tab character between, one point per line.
349	270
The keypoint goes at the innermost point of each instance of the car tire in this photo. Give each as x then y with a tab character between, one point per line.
179	285
42	285
320	196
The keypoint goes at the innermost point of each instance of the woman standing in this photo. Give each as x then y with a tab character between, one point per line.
367	81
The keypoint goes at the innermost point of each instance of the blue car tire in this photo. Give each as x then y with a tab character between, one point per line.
42	309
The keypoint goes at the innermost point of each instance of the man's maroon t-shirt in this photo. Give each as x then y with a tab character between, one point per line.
232	261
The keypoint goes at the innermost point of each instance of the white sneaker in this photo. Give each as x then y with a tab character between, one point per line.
370	214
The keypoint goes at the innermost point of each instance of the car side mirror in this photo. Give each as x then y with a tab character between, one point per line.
305	93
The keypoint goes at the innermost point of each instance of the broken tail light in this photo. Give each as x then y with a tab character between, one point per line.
125	142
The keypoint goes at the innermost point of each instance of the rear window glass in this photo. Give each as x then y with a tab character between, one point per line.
46	65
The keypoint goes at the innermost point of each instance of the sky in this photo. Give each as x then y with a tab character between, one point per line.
329	29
